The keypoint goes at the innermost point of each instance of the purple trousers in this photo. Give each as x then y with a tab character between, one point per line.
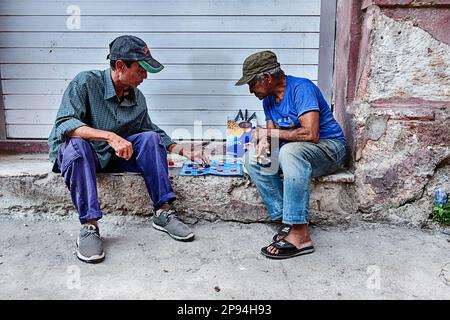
78	164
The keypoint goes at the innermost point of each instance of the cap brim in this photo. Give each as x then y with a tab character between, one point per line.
244	80
151	65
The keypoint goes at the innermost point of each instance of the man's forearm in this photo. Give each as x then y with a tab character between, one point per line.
89	133
298	134
176	148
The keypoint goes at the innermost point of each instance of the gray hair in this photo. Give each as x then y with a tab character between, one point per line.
275	72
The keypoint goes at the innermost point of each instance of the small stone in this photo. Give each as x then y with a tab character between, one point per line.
216	288
25	225
166	270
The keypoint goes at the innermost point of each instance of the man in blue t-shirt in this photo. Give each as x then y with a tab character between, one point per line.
301	140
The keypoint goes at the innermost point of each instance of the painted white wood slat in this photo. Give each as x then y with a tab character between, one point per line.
196	87
220	87
161	40
173	7
186	132
164	23
160	117
165	56
170	72
155	101
28	131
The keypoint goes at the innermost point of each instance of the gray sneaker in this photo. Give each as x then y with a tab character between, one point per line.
168	222
90	248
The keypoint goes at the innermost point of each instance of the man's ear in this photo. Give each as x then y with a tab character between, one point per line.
120	65
268	77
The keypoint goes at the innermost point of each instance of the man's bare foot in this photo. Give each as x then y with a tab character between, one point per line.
282	232
298	236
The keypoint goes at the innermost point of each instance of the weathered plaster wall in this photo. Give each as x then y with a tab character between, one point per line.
398	154
407	62
400	112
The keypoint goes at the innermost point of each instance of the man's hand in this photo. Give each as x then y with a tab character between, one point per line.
198	155
261	138
259	134
123	148
263	149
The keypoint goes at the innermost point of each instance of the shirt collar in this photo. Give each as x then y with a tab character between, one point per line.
110	91
109	86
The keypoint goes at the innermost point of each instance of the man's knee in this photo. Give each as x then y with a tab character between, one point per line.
293	153
83	143
81	146
289	152
75	149
150	136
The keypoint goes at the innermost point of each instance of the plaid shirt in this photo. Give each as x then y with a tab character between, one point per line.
90	99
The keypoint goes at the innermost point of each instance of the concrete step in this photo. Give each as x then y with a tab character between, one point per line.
27	185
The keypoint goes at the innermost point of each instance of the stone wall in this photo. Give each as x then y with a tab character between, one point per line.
398	109
209	198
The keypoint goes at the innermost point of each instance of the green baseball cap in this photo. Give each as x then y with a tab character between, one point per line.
132	48
257	63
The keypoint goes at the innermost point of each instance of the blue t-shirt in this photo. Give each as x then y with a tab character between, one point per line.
301	96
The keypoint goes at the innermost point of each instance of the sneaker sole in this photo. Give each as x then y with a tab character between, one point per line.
94	259
187	238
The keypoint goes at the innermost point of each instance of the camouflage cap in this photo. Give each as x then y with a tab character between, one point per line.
257	63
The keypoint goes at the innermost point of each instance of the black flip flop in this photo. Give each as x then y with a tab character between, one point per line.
282	232
286	250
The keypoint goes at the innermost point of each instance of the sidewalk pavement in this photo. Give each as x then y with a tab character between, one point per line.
364	261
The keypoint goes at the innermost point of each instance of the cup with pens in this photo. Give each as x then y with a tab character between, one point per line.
239	133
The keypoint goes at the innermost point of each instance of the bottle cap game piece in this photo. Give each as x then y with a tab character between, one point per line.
191	168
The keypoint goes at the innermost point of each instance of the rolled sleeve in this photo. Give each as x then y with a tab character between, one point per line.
68	126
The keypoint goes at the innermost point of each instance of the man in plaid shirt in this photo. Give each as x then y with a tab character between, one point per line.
103	125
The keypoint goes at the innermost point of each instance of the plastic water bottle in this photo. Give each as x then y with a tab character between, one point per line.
440	198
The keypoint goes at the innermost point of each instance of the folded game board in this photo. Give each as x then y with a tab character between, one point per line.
220	168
